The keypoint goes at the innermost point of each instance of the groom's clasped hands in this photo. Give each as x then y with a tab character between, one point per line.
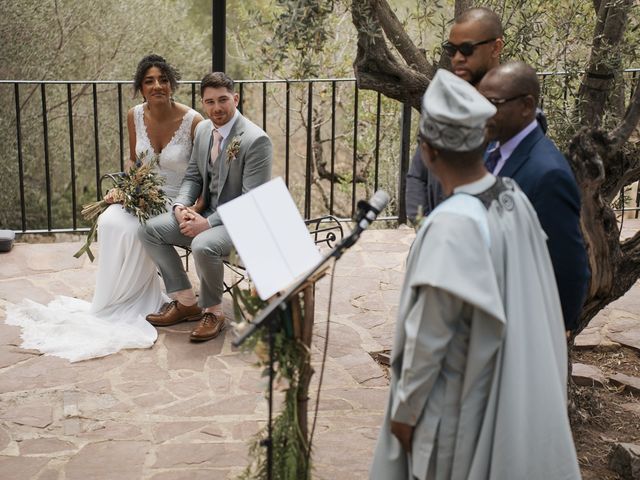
190	221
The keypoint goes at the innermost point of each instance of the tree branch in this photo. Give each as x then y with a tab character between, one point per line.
631	176
596	5
631	244
398	37
621	169
375	66
318	154
339	208
604	63
630	121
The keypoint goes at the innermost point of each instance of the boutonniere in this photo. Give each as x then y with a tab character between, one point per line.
233	148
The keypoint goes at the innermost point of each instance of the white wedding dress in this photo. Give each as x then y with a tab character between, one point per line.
128	286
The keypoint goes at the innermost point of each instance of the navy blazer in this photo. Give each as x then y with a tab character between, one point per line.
546	178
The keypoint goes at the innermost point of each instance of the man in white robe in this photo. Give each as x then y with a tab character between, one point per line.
479	364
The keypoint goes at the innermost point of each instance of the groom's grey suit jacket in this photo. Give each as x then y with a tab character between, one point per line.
250	167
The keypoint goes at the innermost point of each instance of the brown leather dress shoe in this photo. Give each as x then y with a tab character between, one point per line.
165	306
175	313
209	327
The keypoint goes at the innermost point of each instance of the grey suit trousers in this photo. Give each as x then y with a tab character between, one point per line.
159	236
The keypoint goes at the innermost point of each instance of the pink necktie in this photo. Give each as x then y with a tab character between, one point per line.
215	148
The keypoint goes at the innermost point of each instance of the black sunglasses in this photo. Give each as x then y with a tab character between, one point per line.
466	48
501	101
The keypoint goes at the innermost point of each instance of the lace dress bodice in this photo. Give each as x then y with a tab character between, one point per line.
174	157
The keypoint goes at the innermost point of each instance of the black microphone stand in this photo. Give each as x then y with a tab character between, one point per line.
267	318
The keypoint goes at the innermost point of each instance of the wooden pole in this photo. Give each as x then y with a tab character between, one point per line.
306	372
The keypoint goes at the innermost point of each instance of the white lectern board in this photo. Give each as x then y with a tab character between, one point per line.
270	236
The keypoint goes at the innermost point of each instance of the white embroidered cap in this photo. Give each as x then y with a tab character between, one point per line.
454	113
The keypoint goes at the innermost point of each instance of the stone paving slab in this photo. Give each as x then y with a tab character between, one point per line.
182	411
587	375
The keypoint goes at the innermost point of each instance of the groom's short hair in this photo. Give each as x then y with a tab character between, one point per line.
216	80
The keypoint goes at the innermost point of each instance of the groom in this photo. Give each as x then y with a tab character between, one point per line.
231	155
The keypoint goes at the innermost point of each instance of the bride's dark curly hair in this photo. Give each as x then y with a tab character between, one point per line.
159	62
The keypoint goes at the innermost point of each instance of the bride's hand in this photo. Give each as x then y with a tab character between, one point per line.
110	197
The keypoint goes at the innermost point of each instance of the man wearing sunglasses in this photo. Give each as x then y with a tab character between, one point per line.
524	153
474	47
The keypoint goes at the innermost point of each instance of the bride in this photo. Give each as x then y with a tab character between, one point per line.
128	286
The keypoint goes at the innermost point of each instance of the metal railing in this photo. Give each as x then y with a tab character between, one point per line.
306	119
333	143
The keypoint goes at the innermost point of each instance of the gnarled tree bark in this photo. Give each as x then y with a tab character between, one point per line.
605	63
376	66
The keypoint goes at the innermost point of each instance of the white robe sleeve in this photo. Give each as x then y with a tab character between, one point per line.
429	328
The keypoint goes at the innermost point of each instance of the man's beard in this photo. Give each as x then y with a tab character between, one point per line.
477	76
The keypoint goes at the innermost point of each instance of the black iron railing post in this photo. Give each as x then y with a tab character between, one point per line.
96	141
354	172
333	144
23	212
47	170
310	133
218	35
377	149
72	157
405	145
287	130
120	129
264	106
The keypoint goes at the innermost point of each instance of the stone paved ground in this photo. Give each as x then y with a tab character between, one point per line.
183	411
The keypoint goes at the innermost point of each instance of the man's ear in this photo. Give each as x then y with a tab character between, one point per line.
428	153
498	45
530	104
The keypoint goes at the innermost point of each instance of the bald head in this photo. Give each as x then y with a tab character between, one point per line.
515	90
485	18
518	78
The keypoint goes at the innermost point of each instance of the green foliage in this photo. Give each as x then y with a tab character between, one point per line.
623	199
292	39
290	451
301	28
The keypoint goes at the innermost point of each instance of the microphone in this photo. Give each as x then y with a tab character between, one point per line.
368	211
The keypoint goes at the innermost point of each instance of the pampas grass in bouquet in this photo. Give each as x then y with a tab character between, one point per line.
139	192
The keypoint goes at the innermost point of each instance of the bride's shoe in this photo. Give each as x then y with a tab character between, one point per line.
175	313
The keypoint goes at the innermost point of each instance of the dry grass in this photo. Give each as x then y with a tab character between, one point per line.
598	419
